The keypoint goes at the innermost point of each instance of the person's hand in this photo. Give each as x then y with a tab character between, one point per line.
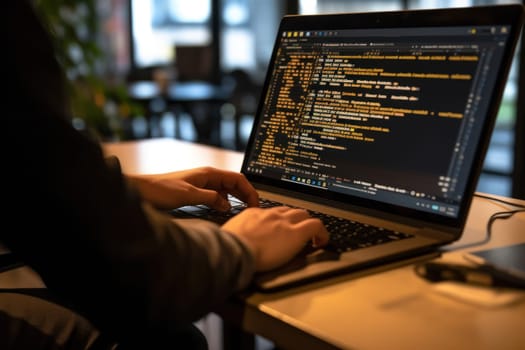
204	185
276	235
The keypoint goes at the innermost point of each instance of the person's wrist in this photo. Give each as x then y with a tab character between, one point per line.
249	260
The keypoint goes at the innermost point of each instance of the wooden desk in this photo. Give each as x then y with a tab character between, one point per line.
164	155
393	309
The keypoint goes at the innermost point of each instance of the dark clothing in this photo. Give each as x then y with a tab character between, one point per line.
22	325
129	269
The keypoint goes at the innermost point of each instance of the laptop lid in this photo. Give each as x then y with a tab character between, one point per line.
385	114
381	117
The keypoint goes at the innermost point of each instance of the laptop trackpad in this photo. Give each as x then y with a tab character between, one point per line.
306	257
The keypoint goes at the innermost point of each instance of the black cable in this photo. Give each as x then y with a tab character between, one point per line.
499	200
506	214
500	215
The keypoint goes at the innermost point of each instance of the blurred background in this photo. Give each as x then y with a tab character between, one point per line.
193	70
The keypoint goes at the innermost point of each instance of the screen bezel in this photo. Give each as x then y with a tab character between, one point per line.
510	15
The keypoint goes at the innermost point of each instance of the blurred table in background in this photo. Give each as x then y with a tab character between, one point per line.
201	100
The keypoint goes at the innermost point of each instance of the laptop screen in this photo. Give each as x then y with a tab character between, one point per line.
379	115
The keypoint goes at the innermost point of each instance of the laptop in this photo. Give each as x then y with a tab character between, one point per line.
379	121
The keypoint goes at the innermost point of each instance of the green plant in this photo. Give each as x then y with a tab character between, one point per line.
97	104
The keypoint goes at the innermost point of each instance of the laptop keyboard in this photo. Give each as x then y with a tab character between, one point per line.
345	235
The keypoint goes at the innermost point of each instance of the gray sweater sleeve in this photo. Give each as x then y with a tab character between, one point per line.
171	272
203	266
123	264
99	248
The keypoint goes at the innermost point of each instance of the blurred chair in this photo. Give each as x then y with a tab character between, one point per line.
244	97
194	63
147	86
197	92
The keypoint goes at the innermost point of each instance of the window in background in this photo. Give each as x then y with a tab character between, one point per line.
497	171
237	38
333	6
248	30
157	26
